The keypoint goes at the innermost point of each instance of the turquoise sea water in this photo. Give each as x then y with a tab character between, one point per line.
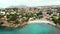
33	29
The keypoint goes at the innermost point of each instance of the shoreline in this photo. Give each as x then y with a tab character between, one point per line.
14	26
42	21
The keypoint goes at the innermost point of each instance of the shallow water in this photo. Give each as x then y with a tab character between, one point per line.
33	29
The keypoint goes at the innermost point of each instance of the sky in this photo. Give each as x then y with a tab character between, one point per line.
7	3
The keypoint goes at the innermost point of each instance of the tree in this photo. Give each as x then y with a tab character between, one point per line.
54	20
40	13
59	20
1	15
12	17
17	22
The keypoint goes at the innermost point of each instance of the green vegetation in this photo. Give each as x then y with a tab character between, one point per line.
17	22
12	17
1	15
56	20
17	15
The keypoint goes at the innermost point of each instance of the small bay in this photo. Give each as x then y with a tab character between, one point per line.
35	28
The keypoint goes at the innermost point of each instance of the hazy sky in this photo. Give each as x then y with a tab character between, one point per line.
6	3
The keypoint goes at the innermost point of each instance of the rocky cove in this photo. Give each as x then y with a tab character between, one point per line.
18	17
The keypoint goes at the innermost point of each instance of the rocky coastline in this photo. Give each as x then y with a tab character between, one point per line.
19	17
13	26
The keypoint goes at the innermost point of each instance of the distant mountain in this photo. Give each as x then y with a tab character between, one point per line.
24	6
50	6
21	6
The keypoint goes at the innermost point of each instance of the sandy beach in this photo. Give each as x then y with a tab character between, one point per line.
42	21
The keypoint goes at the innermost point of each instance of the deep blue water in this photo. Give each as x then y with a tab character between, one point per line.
33	29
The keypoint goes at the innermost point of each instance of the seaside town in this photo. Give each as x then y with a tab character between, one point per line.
29	16
19	17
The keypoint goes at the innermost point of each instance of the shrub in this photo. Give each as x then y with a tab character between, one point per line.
12	17
1	15
17	22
